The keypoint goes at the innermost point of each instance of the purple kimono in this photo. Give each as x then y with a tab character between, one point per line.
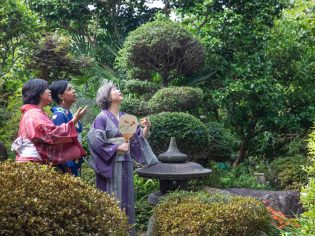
114	171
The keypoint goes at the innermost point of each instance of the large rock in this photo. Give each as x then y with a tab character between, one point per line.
3	152
288	202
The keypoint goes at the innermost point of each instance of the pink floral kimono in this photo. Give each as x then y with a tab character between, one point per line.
40	140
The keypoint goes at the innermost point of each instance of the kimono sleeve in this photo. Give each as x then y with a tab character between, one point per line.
98	141
140	149
44	130
58	118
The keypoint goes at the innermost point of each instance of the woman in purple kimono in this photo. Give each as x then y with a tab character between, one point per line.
112	158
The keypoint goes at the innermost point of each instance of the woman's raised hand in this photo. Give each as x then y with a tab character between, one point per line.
145	122
79	114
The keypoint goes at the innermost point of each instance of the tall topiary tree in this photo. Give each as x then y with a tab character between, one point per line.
162	47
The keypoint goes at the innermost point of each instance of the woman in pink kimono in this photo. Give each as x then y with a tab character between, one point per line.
39	139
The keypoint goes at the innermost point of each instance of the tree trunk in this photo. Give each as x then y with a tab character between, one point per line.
242	153
164	76
167	8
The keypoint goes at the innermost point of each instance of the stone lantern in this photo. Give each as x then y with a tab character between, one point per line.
173	172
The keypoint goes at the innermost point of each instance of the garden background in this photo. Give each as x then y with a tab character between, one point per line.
234	81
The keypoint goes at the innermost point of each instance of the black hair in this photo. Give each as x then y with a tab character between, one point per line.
32	90
58	87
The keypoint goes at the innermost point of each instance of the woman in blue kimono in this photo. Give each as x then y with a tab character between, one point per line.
64	96
112	158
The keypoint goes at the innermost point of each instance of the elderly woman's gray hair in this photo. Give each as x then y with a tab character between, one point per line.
103	99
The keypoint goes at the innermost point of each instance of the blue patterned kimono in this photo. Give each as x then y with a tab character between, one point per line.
61	115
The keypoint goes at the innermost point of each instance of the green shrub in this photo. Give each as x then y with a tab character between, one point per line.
36	200
191	134
224	176
275	144
143	213
143	187
308	192
87	174
10	119
135	106
185	213
305	224
176	99
140	88
222	143
288	173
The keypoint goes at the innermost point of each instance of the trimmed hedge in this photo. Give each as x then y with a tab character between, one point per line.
201	213
140	88
178	99
191	134
36	200
135	106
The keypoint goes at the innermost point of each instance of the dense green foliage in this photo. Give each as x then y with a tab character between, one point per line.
162	47
244	68
288	173
257	74
101	25
180	99
306	222
291	52
135	106
185	213
308	192
139	88
87	174
254	67
52	59
224	176
35	199
19	29
191	134
11	118
222	143
143	187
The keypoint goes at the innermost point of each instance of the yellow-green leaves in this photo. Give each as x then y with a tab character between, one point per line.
184	213
36	200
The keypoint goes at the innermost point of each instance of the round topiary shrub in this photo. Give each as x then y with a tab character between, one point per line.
191	134
36	200
201	213
176	99
288	173
140	88
163	47
134	106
